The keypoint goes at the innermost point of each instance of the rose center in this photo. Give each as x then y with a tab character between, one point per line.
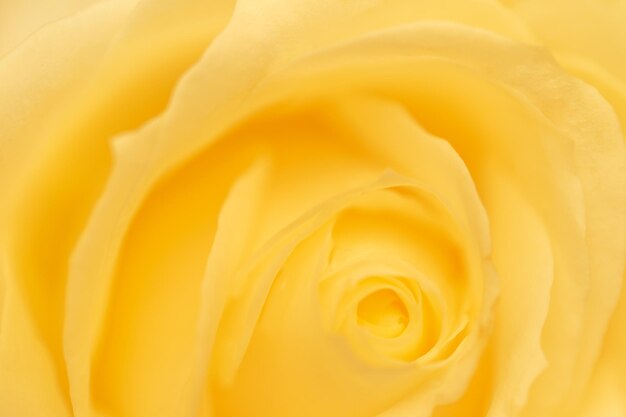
383	313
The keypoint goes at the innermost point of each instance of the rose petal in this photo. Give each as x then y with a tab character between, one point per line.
20	19
35	77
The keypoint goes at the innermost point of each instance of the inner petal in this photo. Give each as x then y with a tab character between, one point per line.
383	313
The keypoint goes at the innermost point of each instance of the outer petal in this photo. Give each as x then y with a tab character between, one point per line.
44	71
592	31
20	19
587	38
605	395
35	78
69	89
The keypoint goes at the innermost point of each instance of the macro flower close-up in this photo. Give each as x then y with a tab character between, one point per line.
312	208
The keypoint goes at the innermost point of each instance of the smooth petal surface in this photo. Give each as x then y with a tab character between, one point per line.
586	38
551	105
284	201
62	106
33	82
20	19
549	196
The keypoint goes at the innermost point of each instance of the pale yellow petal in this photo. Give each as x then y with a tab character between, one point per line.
586	38
230	83
269	285
605	394
518	357
583	135
35	78
612	86
61	107
20	19
557	198
43	72
591	30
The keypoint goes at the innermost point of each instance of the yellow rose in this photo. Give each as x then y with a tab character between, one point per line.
355	208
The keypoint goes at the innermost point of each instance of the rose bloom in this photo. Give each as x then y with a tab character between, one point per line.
317	208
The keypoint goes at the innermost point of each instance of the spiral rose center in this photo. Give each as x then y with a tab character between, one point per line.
383	313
